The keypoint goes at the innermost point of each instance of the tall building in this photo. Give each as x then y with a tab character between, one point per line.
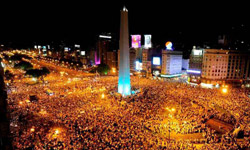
236	66
171	62
185	64
124	86
102	47
195	65
247	70
111	59
145	59
132	59
214	66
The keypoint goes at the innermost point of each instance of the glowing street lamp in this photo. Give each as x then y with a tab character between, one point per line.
103	96
43	112
171	110
32	129
113	70
224	90
28	101
57	131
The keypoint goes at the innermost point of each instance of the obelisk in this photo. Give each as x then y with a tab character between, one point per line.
124	86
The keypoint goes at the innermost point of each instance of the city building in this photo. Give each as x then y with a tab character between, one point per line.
195	65
185	64
237	64
112	59
218	67
215	66
247	72
77	52
103	45
171	62
145	59
132	59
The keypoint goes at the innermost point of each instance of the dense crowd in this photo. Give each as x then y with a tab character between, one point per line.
87	113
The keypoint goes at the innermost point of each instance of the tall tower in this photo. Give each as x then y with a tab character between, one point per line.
124	86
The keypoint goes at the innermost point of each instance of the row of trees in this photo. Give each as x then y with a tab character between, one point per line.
37	73
23	65
102	69
19	57
26	66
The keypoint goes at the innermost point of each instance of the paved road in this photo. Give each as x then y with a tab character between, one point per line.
54	67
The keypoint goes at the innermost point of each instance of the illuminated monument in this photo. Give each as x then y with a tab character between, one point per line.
124	86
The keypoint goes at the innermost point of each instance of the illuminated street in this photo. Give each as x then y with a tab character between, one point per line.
87	113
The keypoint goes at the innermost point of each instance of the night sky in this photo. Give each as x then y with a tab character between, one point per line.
191	23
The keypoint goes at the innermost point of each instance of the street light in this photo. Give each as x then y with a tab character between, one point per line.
114	70
103	96
57	131
224	90
32	129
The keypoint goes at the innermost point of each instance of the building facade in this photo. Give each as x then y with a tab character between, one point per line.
195	65
171	62
111	59
215	66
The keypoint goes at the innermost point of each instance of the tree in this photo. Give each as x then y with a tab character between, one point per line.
18	57
102	69
9	75
24	65
36	73
45	71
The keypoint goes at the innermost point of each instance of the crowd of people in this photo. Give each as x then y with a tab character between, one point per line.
87	113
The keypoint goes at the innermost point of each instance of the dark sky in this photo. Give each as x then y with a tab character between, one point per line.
80	21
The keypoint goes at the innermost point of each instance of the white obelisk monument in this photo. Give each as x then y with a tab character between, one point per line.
124	86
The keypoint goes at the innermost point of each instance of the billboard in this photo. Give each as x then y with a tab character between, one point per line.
138	65
77	46
105	37
194	71
148	43
66	49
197	52
169	45
83	53
136	41
156	61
